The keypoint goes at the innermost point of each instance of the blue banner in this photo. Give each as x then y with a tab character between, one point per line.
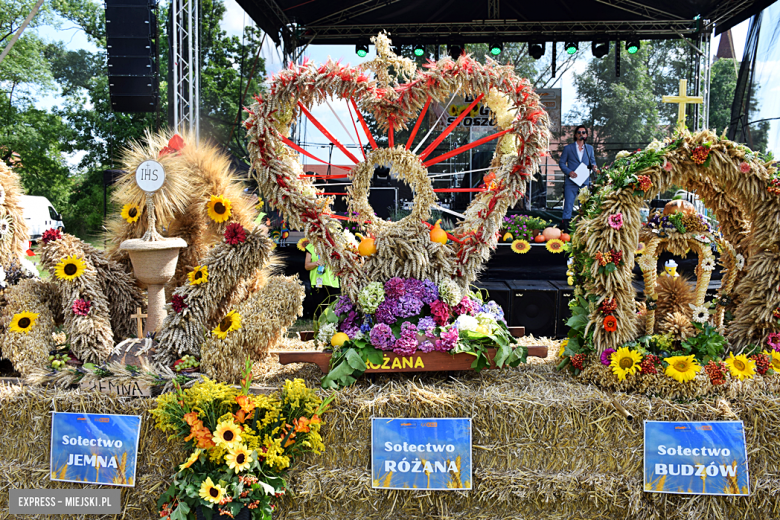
421	454
696	458
94	448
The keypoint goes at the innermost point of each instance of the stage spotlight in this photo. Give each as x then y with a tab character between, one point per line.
536	50
361	49
571	47
419	50
599	48
455	50
632	46
496	48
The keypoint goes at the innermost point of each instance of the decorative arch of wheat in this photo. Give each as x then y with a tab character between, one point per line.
744	193
404	247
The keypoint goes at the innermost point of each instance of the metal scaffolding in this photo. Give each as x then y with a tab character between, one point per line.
186	66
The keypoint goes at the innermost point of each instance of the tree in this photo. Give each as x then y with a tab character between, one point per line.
723	83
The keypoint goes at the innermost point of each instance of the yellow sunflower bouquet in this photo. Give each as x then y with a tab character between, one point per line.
240	446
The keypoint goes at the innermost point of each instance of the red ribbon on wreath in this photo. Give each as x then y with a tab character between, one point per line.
175	145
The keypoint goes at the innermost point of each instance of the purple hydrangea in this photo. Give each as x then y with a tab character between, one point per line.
494	310
349	324
408	306
382	337
430	293
343	305
406	345
426	325
426	346
466	306
448	339
366	326
395	287
387	311
414	287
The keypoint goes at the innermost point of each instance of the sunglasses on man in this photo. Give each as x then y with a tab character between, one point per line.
582	132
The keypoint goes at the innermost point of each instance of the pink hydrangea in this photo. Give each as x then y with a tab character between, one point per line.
466	306
81	307
667	166
616	220
447	340
440	312
406	345
744	167
773	340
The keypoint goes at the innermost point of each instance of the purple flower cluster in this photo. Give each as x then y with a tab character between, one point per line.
349	326
382	337
426	325
448	340
426	346
387	311
343	305
408	306
466	306
406	345
395	287
366	326
494	310
430	292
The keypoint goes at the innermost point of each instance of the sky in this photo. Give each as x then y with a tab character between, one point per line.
236	19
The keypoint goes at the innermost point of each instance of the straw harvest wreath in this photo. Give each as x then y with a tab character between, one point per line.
404	248
743	189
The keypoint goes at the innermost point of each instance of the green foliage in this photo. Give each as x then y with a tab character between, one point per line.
707	345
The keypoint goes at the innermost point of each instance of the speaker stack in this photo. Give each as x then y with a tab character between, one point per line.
131	33
565	295
533	305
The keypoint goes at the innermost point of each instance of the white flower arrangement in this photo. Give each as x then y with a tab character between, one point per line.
326	332
708	264
700	313
449	292
371	296
622	153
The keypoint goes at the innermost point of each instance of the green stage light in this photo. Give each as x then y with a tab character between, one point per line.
419	50
496	48
632	46
361	50
571	47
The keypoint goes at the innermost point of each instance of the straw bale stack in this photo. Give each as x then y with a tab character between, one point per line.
545	445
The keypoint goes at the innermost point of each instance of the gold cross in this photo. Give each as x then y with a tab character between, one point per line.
682	99
140	322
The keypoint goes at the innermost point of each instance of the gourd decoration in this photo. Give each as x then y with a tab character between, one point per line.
367	246
438	234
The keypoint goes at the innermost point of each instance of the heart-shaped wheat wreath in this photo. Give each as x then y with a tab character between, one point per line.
404	248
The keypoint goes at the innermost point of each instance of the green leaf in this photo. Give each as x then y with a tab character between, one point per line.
610	268
501	355
481	362
372	354
181	511
355	361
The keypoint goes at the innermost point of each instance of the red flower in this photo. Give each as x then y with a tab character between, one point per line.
51	235
700	154
644	182
235	234
610	324
81	307
608	306
177	302
744	167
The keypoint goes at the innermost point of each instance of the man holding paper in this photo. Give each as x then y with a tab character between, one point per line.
577	161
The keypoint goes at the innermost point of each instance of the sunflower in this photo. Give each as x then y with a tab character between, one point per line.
227	434
610	323
70	268
23	322
302	243
774	358
239	458
229	323
191	460
218	208
211	492
741	367
521	246
6	227
555	245
625	362
682	368
131	212
700	313
198	275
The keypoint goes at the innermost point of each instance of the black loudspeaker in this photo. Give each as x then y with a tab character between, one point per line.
565	295
534	305
500	293
131	44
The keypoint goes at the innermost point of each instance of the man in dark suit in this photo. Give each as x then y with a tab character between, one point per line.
573	155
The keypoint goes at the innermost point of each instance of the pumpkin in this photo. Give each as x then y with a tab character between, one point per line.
539	239
367	247
438	234
565	237
551	233
679	206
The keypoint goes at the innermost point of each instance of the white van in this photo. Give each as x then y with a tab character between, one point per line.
40	215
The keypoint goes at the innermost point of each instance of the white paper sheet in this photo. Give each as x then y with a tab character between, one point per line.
582	174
